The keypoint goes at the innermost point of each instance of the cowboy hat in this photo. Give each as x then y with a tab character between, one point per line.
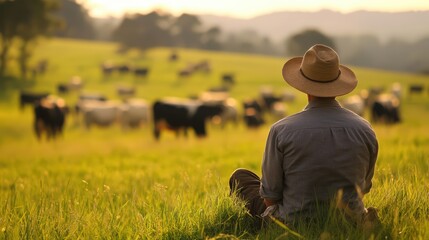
319	73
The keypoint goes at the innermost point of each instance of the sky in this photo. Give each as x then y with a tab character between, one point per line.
245	8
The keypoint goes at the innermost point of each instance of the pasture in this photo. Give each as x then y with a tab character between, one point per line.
106	183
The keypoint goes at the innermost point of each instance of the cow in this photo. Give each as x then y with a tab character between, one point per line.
272	104
269	100
219	89
62	88
134	112
230	111
213	97
228	79
30	98
92	97
186	72
254	104
125	92
124	68
179	115
107	68
252	116
74	84
99	113
49	117
369	95
278	110
203	66
385	109
416	88
89	97
396	90
354	103
141	72
288	96
174	56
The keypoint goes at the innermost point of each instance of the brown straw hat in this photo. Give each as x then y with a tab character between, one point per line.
319	73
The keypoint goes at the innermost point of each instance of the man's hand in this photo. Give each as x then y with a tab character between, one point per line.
268	202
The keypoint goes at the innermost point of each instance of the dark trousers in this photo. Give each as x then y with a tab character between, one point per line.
245	184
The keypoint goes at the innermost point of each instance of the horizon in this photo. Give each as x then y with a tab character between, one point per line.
244	9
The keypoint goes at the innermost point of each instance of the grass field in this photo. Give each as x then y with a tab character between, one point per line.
111	184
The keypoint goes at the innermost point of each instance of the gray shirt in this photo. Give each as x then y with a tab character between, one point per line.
316	152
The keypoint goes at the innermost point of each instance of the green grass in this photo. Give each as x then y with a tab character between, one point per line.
111	184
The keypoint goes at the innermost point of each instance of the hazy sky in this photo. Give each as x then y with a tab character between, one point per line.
246	8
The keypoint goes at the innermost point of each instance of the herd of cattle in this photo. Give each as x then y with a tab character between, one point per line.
202	66
384	106
177	114
214	106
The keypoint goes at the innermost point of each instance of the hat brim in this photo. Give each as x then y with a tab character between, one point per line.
344	84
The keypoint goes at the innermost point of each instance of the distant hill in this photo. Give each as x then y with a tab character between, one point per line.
408	26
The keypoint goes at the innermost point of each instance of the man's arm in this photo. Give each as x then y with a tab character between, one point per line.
373	158
272	171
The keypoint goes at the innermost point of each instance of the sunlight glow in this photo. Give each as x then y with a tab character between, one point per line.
246	8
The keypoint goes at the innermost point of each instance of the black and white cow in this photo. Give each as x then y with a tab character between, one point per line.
179	115
107	68
228	79
230	106
416	88
385	109
123	68
74	84
30	98
141	72
126	92
253	116
49	117
269	99
88	97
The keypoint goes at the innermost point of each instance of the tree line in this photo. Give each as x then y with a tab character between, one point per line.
22	22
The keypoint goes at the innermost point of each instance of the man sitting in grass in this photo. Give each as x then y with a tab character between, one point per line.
321	155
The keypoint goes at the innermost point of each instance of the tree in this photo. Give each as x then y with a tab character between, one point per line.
210	39
76	21
186	29
39	21
267	47
420	56
26	20
143	31
8	22
299	43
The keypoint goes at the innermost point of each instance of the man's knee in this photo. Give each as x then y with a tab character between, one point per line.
240	175
234	179
239	172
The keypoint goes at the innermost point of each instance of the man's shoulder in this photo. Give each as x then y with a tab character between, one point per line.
290	120
355	119
341	117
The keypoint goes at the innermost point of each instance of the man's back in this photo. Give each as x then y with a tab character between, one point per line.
311	156
315	153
